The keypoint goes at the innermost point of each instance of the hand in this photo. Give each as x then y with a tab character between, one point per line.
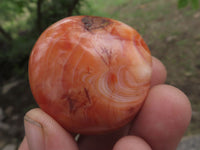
160	124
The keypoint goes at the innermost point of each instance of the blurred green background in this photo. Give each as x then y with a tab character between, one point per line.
170	28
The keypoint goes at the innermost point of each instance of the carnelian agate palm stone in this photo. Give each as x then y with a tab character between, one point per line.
91	74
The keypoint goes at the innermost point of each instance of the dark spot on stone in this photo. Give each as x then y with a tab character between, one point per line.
108	55
87	95
105	55
71	102
76	101
91	23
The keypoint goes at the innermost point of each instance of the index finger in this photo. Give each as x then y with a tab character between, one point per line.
159	73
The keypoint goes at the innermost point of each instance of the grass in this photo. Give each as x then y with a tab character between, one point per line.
172	35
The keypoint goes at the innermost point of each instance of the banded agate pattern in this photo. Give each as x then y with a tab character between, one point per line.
91	74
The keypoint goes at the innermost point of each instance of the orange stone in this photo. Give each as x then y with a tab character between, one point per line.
91	74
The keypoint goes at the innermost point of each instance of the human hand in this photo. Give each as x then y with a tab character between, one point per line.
159	125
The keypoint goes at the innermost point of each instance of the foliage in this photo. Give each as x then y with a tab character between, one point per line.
184	3
21	22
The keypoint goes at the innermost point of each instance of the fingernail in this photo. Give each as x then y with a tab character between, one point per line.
34	134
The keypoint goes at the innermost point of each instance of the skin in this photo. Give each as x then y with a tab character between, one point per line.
160	124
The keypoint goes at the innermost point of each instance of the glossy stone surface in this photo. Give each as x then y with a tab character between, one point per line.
91	74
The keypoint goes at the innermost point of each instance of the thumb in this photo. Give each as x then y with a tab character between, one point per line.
44	133
131	143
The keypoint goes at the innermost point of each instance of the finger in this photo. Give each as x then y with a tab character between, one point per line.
159	72
164	118
43	133
131	143
24	145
